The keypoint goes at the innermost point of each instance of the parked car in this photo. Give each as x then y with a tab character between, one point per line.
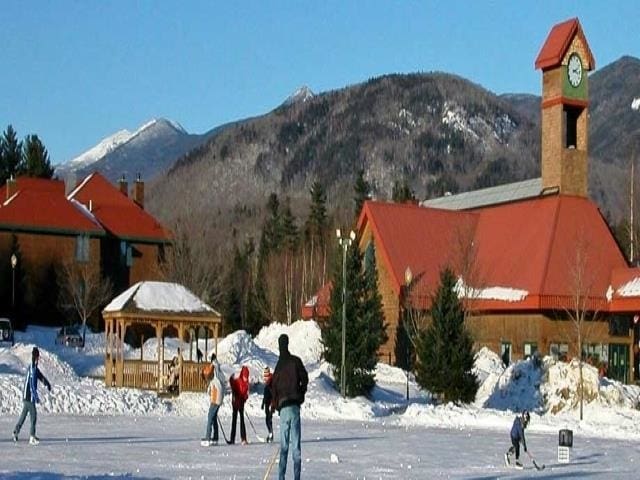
69	337
6	331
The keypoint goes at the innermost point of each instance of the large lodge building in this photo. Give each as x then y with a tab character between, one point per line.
528	255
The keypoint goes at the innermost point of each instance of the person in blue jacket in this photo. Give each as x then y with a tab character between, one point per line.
517	435
30	397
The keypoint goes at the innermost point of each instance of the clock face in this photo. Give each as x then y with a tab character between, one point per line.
574	70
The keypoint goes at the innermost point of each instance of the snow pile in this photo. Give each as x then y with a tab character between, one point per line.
488	368
514	388
70	394
561	388
635	104
305	339
506	294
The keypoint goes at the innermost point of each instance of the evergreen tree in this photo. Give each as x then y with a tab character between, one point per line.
362	192
258	307
10	154
364	323
373	329
232	300
445	348
317	223
402	192
272	228
35	159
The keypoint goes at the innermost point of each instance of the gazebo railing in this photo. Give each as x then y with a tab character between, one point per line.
192	380
140	374
143	374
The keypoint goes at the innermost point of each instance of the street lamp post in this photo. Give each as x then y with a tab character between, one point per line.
14	262
344	243
408	278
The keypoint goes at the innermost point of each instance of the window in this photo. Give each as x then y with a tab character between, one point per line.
529	349
593	353
620	325
82	248
505	353
571	115
126	255
559	351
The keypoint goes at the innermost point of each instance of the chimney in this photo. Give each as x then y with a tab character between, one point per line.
123	186
70	182
138	192
12	187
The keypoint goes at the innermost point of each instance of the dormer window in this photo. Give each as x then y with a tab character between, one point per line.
82	248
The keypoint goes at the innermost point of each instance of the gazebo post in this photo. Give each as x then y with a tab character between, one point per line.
181	338
160	381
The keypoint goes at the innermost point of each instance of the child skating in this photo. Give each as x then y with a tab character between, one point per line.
517	435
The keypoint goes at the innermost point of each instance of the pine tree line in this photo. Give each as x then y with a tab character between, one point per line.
28	157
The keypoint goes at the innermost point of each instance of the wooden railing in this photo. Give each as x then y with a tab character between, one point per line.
143	374
140	374
192	380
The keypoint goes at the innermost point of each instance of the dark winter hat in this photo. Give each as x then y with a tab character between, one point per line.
283	342
35	354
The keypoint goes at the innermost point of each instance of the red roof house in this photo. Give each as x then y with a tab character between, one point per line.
96	223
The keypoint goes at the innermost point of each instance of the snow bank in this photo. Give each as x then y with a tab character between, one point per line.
561	388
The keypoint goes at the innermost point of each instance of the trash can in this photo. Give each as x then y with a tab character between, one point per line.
565	443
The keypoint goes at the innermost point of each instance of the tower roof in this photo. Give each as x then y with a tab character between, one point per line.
557	43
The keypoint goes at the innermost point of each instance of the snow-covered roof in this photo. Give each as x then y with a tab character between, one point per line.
159	297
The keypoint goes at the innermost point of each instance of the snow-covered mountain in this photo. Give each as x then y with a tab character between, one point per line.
302	94
150	150
100	150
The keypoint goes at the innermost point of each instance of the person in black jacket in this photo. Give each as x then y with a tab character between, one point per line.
30	397
288	387
266	402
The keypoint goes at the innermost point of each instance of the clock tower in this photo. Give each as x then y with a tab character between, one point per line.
565	59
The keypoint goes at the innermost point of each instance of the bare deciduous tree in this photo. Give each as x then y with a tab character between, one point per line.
189	260
83	289
583	311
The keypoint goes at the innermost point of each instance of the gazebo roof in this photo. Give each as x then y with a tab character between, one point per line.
162	298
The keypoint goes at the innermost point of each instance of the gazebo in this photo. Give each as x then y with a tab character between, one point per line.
168	309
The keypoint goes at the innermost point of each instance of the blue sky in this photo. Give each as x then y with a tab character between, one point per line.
74	72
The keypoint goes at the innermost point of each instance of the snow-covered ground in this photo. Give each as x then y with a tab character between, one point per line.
90	431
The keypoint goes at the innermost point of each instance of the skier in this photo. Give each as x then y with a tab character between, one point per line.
517	435
215	394
30	397
266	403
239	395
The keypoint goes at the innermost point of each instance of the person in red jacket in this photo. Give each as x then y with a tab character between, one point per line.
239	395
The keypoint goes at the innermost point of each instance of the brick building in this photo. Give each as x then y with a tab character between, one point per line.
526	254
95	223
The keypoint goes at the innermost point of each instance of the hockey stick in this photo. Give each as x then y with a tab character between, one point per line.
538	467
271	463
261	439
224	435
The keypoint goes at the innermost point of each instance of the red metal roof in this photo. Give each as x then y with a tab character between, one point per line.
318	306
526	250
557	43
40	205
116	212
